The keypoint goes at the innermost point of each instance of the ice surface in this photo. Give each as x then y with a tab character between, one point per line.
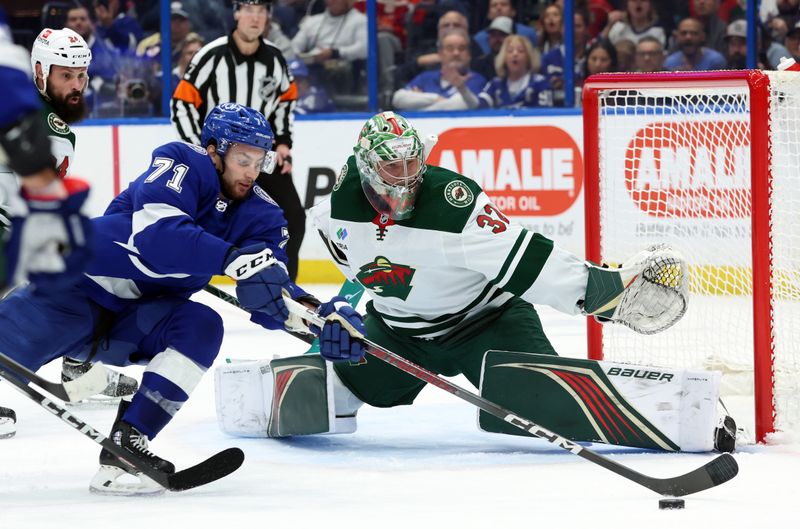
417	466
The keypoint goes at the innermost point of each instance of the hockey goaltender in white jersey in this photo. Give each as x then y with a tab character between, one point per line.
453	284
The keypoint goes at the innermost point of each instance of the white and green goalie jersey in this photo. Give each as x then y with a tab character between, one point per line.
456	257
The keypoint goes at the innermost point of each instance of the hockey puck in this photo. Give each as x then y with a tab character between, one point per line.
672	503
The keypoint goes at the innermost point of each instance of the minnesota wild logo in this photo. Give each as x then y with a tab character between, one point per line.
458	194
386	279
57	124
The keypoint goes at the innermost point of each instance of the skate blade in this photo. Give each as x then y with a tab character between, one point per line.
113	481
95	402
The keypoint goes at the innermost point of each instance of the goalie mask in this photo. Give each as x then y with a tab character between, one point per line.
391	161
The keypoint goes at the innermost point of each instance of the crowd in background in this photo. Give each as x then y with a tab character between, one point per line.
432	54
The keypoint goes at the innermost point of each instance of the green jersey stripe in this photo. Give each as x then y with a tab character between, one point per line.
534	257
416	319
510	258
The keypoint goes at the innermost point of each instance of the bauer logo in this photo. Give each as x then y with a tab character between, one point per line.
526	171
682	169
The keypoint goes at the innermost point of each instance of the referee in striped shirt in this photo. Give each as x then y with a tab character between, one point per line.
244	68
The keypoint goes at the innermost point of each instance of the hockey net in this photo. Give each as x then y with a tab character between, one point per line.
708	162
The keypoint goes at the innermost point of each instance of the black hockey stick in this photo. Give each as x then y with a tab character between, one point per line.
717	471
215	467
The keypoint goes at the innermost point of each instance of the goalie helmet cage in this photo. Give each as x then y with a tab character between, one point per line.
710	163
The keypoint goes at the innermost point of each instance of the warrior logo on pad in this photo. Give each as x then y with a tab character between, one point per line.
386	279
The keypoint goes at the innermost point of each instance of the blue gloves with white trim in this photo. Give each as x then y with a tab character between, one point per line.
335	342
260	281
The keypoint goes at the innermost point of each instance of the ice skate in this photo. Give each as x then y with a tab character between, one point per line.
117	478
119	385
8	423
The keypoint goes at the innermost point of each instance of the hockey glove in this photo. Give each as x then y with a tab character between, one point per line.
335	342
260	280
50	243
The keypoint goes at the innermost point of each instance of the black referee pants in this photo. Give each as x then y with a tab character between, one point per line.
281	188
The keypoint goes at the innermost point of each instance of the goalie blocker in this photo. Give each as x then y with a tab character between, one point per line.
607	402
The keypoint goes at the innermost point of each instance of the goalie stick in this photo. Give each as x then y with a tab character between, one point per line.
716	472
215	467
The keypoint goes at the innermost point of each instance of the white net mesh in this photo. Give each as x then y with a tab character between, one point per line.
675	168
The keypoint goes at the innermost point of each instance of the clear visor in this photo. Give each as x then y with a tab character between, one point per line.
263	164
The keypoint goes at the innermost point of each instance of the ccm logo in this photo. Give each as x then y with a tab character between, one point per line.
639	373
690	169
252	264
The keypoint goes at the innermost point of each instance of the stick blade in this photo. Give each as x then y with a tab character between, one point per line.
215	467
716	472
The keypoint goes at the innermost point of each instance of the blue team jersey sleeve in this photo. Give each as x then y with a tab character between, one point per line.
19	96
166	201
263	222
476	82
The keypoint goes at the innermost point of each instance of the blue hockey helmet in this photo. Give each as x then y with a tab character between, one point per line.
231	123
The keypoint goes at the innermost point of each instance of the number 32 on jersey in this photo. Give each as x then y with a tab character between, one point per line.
492	219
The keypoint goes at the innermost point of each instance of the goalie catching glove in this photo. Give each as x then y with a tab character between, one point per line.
649	293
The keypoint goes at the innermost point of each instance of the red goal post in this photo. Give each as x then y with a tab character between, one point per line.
710	163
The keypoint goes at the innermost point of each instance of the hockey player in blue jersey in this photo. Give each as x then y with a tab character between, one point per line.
48	244
193	213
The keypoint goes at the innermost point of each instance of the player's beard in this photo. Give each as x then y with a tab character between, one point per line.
69	112
232	190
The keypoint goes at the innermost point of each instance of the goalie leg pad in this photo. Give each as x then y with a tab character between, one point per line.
299	395
585	400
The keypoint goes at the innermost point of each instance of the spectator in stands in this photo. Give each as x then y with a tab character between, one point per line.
502	8
330	42
790	9
626	55
310	99
691	54
638	20
551	30
793	41
180	28
601	58
518	83
428	57
340	32
649	55
190	45
769	51
597	16
274	33
706	12
553	61
116	27
500	28
445	88
103	68
778	28
210	19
